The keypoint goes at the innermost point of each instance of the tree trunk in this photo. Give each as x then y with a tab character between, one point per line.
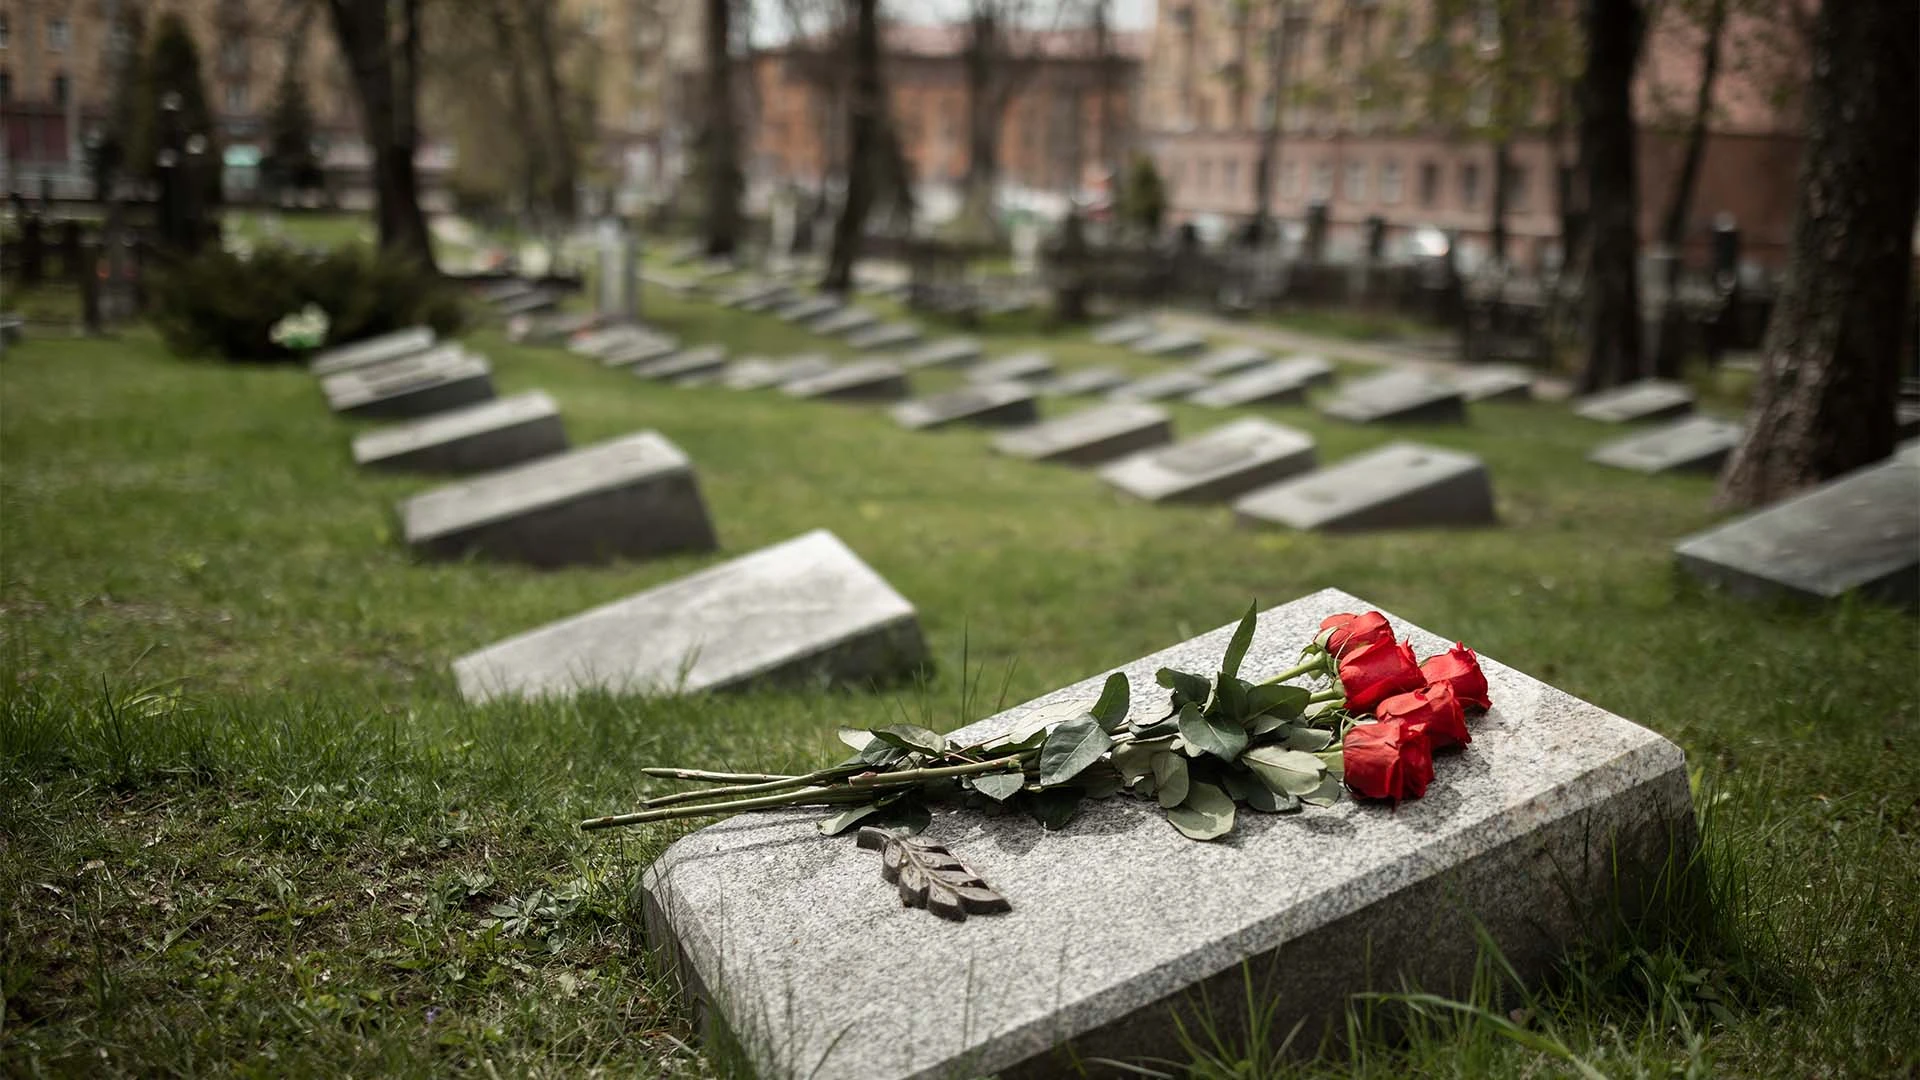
1108	89
984	108
519	98
866	101
385	85
1668	359
1830	366
561	174
1613	331
1502	195
720	139
1267	164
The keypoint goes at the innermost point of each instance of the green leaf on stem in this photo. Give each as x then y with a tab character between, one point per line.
1111	709
1000	786
1335	759
1158	730
858	738
883	755
1204	734
1242	641
1099	781
1207	813
1053	807
912	737
1326	794
835	824
1071	747
1277	699
909	815
1307	739
1170	778
1230	699
1134	760
1186	686
1321	708
1288	772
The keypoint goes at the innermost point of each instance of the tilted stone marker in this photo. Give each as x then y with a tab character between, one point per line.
1689	444
804	611
1220	464
1399	486
1279	382
548	329
1495	382
807	309
862	380
1084	381
1020	366
1557	814
1090	436
844	321
1171	343
893	335
1648	399
1857	533
1167	384
597	343
641	349
1123	332
631	496
980	403
420	392
1403	397
502	291
490	435
439	356
760	372
701	360
371	350
1230	359
947	352
532	303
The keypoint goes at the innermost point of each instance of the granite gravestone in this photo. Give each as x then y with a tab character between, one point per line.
1014	367
502	291
1083	381
804	611
597	343
1091	435
1689	444
533	303
437	357
760	372
1171	343
631	496
1166	384
1229	360
1399	486
1398	397
1857	533
371	350
1220	464
844	321
1123	332
807	309
1556	816
418	392
1277	383
862	380
702	360
642	349
979	403
555	328
490	435
1494	382
1648	399
893	335
947	352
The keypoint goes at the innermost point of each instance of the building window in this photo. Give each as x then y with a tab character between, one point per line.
58	33
233	56
1290	179
1429	184
1470	186
1390	183
1517	188
6	30
1323	180
1480	104
59	89
1336	41
1487	26
1204	174
1230	175
6	87
1356	181
236	97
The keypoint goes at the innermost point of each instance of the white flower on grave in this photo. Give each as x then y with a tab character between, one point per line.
304	329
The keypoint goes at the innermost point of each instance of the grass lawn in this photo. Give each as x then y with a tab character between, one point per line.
247	827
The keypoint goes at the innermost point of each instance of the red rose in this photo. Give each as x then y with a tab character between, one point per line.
1459	669
1372	673
1434	710
1355	631
1387	760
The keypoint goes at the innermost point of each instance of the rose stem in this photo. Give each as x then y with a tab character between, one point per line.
824	795
835	773
914	776
1331	693
713	777
1319	661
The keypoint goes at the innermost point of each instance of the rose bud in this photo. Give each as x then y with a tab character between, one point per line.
1387	760
1344	633
1434	710
1459	669
1373	673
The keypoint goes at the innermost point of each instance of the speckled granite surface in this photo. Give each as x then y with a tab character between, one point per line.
820	971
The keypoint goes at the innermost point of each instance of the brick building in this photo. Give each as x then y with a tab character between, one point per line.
1363	132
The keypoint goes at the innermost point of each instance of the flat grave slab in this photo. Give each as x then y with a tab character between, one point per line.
1219	464
502	291
1171	343
1167	384
1495	382
465	381
441	355
700	360
803	611
1857	533
844	321
768	301
1648	399
547	329
1399	486
1119	924
749	292
893	335
1091	435
807	309
597	343
1404	397
1689	444
980	403
532	303
1020	366
475	438
862	380
1275	383
644	348
947	352
760	372
371	350
1230	359
1083	381
631	496
1123	332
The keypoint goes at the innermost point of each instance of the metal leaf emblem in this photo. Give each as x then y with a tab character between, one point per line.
929	876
